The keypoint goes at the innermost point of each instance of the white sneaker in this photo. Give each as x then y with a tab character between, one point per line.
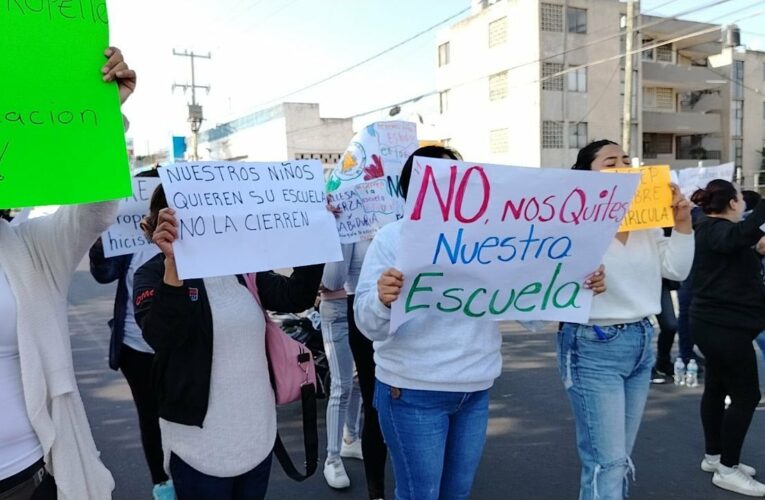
352	450
334	473
711	466
739	482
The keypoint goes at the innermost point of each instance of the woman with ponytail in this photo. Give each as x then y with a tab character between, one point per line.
606	363
727	313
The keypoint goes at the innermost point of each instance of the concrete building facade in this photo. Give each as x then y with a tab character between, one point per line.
503	96
287	131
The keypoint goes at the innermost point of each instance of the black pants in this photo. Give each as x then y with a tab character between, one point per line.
731	369
667	328
190	484
372	444
136	366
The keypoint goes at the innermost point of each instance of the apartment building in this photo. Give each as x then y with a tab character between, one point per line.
526	82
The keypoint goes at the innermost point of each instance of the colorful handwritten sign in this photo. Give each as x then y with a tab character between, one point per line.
125	236
498	242
652	206
247	217
365	208
61	131
691	179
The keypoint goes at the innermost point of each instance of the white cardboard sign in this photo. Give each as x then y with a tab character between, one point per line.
237	217
125	235
498	242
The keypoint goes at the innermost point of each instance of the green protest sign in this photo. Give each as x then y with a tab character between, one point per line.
61	132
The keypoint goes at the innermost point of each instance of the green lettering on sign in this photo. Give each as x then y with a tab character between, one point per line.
62	138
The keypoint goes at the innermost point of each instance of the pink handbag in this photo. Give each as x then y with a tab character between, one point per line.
289	362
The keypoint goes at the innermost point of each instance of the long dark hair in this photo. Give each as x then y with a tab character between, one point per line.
158	202
716	197
428	152
588	153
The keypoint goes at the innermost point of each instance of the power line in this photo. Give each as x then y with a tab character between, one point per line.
360	63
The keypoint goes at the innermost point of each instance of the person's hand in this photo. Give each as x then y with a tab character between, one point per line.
117	70
681	209
166	232
596	281
389	286
336	211
760	247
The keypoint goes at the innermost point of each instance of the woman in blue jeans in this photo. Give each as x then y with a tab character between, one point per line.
606	364
433	375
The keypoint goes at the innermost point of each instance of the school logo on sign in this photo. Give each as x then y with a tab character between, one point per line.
194	294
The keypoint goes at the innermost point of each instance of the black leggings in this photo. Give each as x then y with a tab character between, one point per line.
372	444
136	366
731	370
667	328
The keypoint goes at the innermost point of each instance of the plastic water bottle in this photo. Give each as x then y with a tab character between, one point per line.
679	377
692	374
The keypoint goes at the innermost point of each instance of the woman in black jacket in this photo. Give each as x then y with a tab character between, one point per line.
727	313
216	404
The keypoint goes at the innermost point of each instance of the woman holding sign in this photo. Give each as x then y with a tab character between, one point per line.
43	428
606	364
433	374
726	314
216	404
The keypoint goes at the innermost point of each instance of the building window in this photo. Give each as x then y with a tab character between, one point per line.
552	17
657	144
659	98
577	79
737	128
498	86
576	20
498	32
577	135
443	54
665	53
550	82
498	140
648	54
552	135
443	101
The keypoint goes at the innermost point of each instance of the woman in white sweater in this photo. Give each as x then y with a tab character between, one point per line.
606	364
433	374
46	447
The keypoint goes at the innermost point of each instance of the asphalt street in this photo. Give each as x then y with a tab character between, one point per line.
530	452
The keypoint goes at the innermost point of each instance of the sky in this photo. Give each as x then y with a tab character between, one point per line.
263	49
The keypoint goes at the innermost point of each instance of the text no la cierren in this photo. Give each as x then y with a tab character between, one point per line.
221	224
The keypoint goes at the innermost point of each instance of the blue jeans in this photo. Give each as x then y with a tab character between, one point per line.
435	439
607	379
193	485
761	343
344	405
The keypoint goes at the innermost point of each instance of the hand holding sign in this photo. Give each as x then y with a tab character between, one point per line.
116	69
389	286
681	209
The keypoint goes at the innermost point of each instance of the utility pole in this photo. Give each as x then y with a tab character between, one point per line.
633	9
196	117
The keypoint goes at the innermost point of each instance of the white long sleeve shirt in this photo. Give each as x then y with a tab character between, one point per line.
428	352
633	275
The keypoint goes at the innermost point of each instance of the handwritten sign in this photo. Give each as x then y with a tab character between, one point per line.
247	217
125	236
691	179
365	208
497	242
652	206
61	132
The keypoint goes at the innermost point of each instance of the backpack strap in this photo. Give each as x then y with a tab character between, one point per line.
310	439
310	425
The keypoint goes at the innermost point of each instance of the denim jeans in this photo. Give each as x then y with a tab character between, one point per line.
761	343
435	439
607	378
190	484
344	405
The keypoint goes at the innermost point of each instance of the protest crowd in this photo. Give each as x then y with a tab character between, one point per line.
199	266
